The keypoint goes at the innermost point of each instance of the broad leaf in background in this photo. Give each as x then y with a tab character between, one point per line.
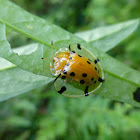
120	80
105	38
15	81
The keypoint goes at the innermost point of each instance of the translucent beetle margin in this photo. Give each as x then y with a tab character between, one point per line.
78	73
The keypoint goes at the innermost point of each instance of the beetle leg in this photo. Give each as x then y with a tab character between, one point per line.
86	91
57	77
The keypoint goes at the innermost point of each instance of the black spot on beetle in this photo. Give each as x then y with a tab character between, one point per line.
69	48
95	68
72	52
67	64
136	95
82	81
72	74
78	46
100	79
79	55
63	77
70	57
62	90
95	82
97	60
84	75
92	79
64	71
88	62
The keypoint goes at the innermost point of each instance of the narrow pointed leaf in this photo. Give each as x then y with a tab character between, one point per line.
106	38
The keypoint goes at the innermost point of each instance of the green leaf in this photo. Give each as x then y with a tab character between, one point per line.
28	24
106	38
4	64
120	80
18	121
15	81
23	50
31	61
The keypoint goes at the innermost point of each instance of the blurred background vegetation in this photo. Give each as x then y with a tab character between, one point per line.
43	114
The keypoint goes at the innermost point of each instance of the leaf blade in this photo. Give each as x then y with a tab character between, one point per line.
112	67
106	38
15	81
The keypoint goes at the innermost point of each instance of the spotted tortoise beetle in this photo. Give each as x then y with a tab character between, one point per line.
71	63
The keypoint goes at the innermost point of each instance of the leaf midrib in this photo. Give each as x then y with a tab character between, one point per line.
38	40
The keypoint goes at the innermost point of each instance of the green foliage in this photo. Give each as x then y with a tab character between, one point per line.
67	118
42	114
105	38
104	11
15	81
124	77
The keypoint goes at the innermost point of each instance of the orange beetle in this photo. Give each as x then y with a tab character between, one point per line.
72	64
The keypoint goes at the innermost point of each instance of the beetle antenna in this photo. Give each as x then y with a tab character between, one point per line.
52	48
57	77
52	52
45	59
